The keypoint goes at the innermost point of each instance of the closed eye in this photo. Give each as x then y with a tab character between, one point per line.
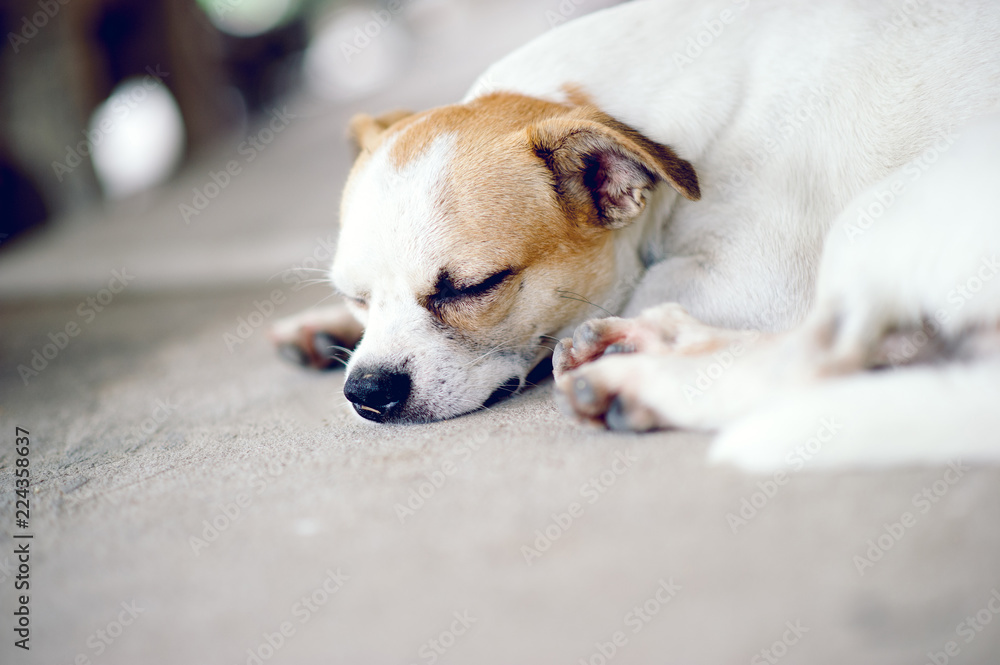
360	301
447	292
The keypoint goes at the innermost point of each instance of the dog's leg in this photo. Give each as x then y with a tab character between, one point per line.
708	378
737	372
680	372
322	337
659	330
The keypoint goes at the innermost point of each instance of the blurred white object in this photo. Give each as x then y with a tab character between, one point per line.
136	137
356	53
246	18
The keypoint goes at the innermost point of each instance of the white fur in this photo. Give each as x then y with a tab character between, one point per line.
912	264
935	253
786	114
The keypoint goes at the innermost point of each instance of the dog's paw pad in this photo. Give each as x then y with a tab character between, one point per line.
608	393
620	348
590	341
305	345
628	415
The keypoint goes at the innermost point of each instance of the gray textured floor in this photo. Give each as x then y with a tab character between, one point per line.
118	506
147	429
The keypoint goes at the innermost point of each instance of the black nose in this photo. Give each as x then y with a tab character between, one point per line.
377	394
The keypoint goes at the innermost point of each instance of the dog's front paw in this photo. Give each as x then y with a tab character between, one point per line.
663	330
593	339
321	338
610	392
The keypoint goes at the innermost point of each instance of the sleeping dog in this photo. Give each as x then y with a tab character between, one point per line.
690	157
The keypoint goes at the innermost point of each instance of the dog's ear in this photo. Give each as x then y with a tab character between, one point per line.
365	130
594	158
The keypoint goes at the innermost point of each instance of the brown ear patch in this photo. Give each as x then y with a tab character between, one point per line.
366	131
594	157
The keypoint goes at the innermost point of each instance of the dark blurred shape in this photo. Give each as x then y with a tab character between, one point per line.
20	200
126	38
61	66
265	67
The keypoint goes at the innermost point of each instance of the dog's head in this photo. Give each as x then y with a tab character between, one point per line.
470	234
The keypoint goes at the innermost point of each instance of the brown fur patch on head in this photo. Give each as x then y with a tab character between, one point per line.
533	188
367	131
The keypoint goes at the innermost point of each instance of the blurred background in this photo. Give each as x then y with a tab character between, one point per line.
201	142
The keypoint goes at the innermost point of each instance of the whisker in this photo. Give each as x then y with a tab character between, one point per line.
479	407
580	298
323	300
499	347
311	282
287	270
340	360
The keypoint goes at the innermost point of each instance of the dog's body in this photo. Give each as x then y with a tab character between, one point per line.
912	290
786	114
472	233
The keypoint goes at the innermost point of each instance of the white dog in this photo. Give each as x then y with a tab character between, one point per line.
695	154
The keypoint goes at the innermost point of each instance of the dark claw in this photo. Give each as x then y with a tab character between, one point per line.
584	393
619	348
586	335
561	352
616	417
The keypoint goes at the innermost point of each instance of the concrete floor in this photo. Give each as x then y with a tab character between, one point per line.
198	499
